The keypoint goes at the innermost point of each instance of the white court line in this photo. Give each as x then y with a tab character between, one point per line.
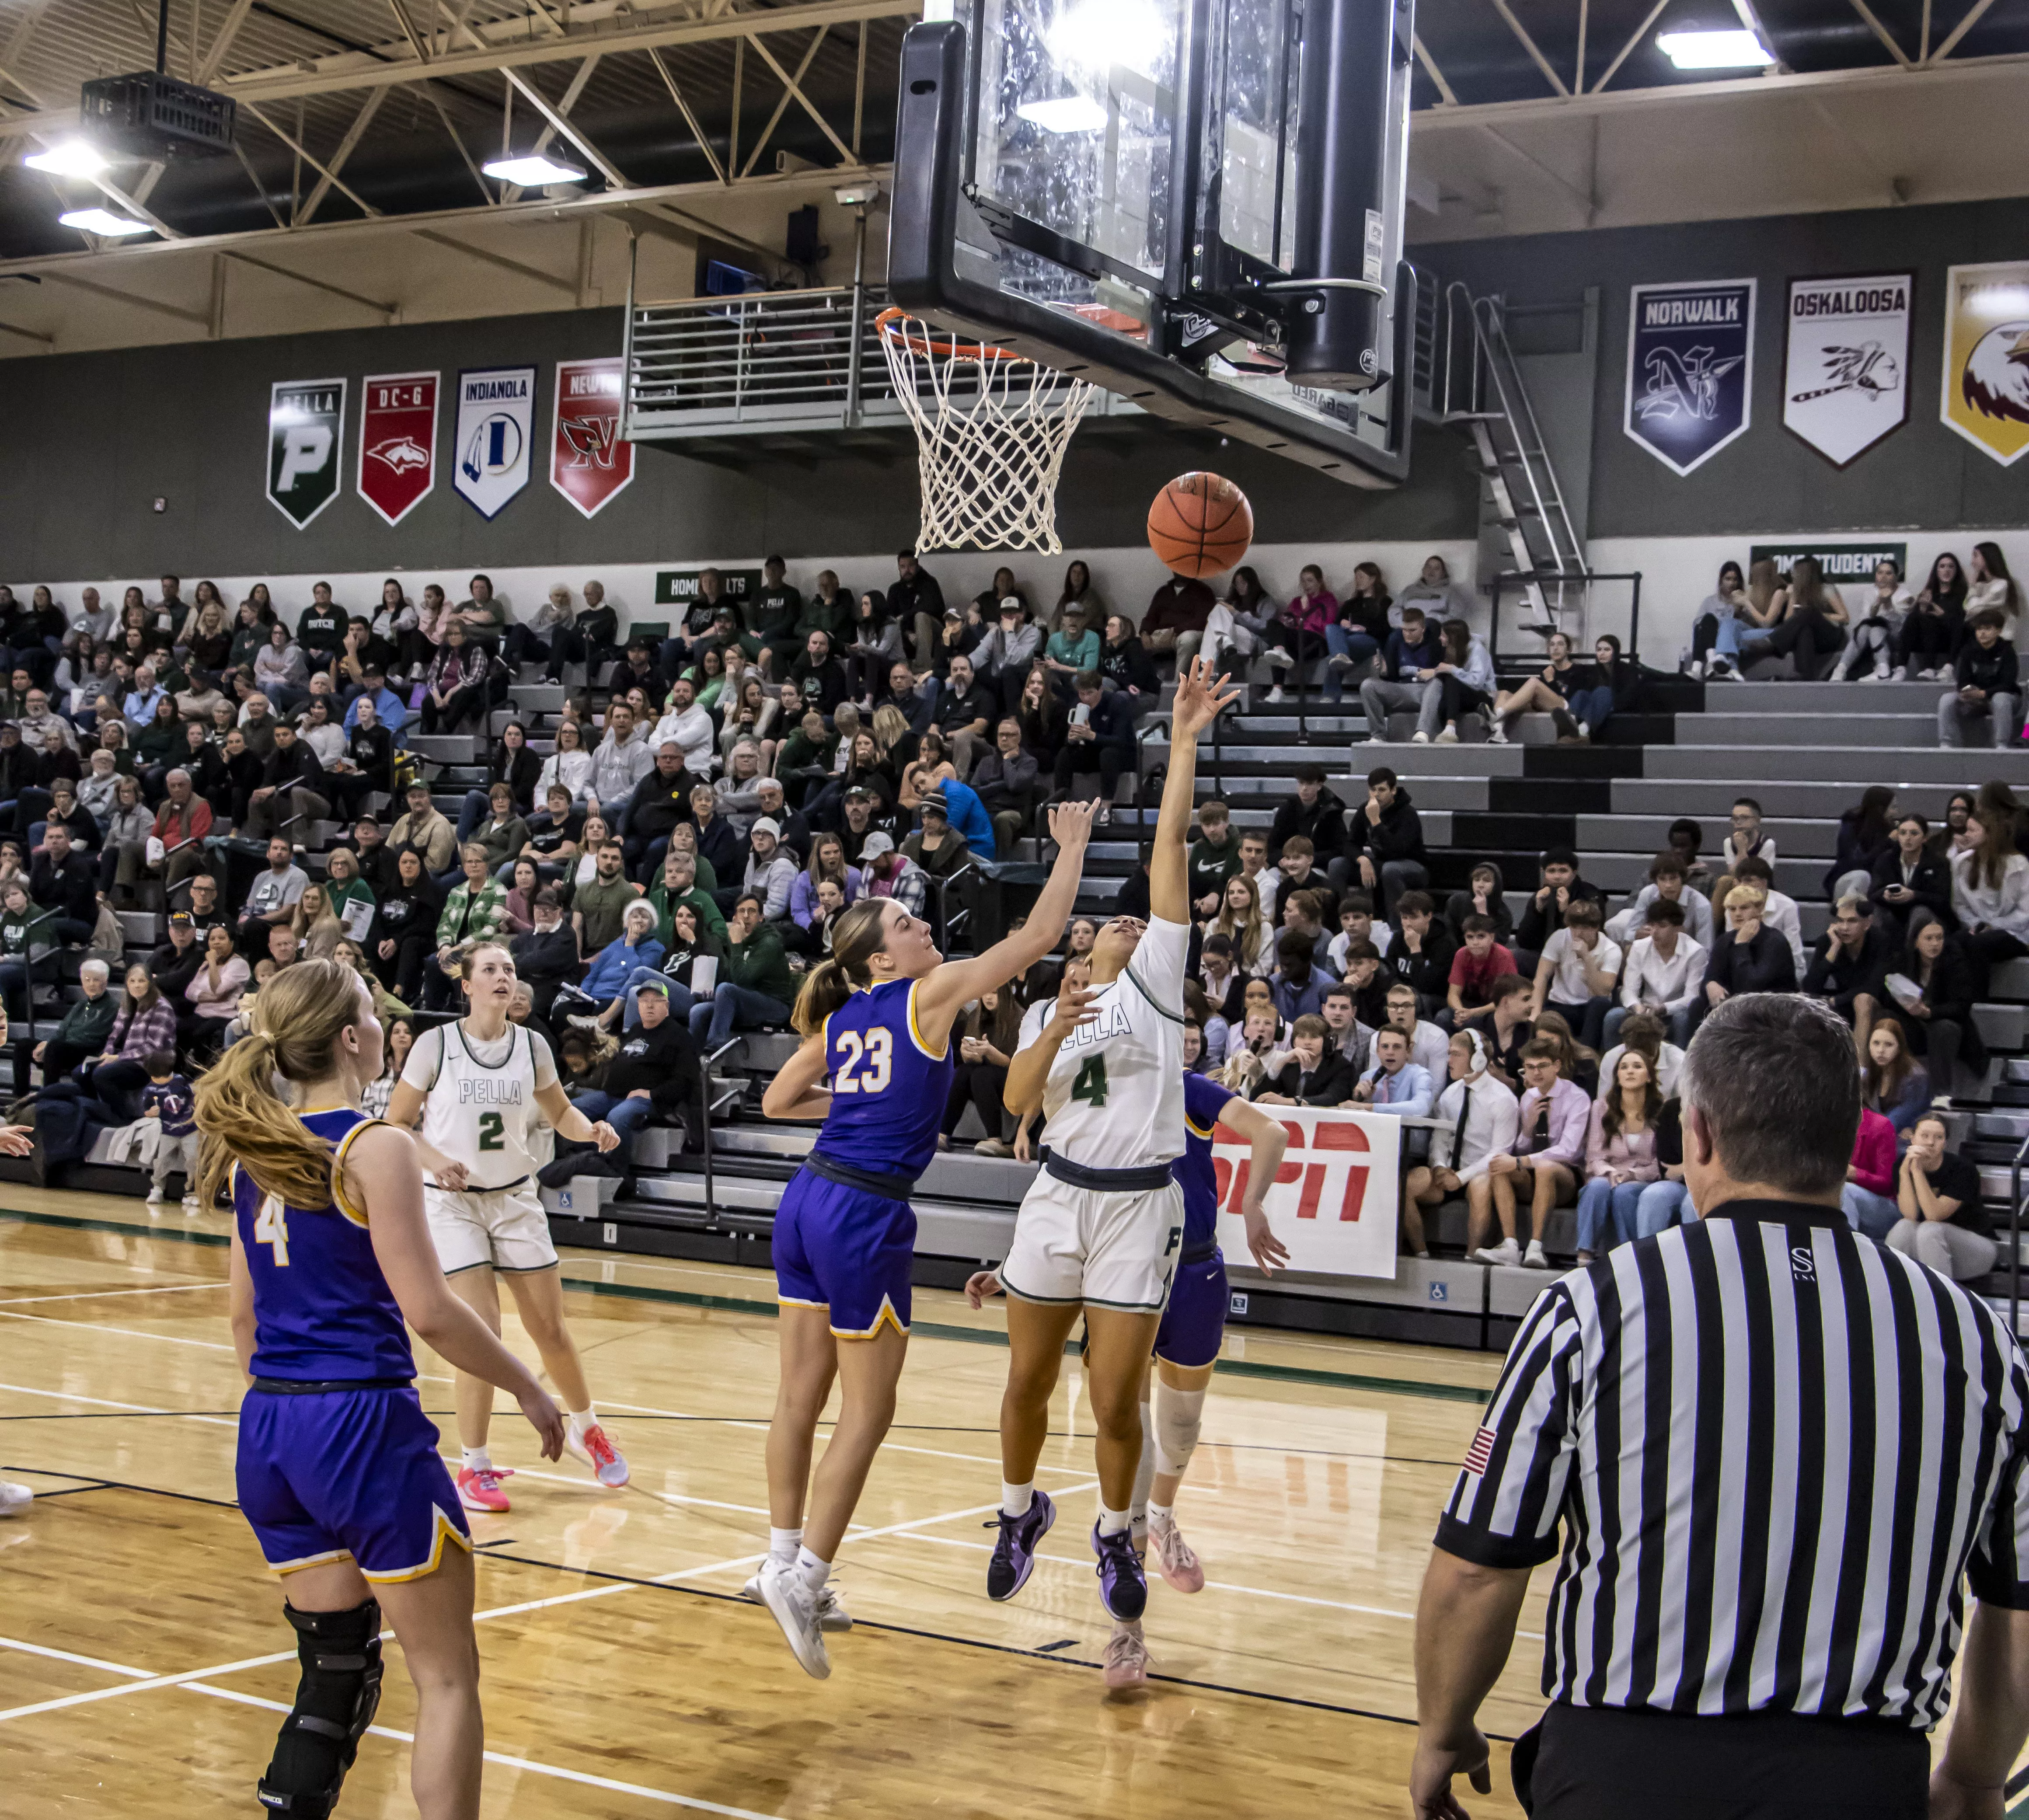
667	1497
125	1332
65	1655
107	1402
93	1295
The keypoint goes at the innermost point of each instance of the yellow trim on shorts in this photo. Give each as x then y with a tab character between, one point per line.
916	1036
338	1167
445	1527
886	1317
797	1302
321	1560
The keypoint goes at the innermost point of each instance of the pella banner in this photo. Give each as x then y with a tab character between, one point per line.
305	431
589	464
496	430
1335	1200
397	441
1845	362
1690	368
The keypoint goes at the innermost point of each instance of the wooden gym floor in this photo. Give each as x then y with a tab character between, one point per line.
143	1665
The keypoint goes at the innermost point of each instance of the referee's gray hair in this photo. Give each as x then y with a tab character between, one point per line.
1774	1074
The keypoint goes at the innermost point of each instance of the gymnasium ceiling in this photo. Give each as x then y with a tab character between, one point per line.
355	193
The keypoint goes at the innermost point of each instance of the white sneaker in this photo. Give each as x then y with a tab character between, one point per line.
1506	1253
154	1194
1535	1258
794	1606
1419	738
1880	675
1497	735
1339	660
14	1499
1696	669
1126	1658
1275	697
832	1614
1448	736
192	1205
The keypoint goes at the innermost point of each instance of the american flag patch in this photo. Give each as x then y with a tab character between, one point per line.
1481	1452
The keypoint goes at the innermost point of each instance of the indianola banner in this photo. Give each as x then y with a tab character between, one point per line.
496	429
1334	1200
1986	393
588	462
1845	365
1690	368
397	441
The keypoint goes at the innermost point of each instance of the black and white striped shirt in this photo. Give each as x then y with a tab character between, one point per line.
1775	1447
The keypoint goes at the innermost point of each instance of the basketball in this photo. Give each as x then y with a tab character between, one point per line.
1200	524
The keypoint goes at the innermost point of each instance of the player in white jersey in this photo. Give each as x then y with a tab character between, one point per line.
1100	1231
485	1087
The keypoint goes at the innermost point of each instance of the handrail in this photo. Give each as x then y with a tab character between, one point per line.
704	1128
1156	718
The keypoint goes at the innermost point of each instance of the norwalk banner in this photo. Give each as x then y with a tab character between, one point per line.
1334	1200
1690	368
1845	366
1986	392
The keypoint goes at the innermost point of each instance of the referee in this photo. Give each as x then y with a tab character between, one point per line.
1775	1447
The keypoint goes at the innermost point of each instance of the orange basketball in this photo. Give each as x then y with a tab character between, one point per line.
1200	524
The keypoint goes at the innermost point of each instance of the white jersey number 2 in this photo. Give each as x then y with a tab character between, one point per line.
875	1050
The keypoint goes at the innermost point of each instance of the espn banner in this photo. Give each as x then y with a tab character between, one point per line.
397	441
1335	1200
1845	362
1986	393
589	464
306	430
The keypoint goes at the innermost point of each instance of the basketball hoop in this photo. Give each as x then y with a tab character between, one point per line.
991	427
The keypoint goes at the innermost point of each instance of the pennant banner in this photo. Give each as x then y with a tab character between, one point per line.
398	441
305	431
1690	368
1845	365
496	427
588	462
1986	392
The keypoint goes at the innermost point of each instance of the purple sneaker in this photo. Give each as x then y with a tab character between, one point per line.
1014	1554
1123	1583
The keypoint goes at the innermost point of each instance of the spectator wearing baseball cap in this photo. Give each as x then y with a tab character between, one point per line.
771	874
886	873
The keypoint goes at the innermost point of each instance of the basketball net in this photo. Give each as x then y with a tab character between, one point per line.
991	428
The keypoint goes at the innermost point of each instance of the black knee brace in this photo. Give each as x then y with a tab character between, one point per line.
335	1701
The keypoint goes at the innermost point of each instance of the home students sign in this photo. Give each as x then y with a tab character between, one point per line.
1335	1200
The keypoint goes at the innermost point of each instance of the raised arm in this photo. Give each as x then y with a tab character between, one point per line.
796	1091
1200	702
948	989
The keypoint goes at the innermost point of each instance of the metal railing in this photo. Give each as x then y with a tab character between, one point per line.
1583	630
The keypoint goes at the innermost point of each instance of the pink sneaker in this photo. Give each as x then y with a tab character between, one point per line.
591	1446
1173	1555
1126	1658
481	1490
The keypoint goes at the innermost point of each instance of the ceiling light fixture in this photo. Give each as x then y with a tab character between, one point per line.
1715	49
1070	113
1111	34
533	171
103	221
69	158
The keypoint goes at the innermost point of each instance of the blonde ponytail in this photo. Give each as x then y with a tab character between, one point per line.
294	1030
857	935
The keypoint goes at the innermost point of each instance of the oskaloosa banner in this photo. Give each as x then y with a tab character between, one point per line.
1986	394
1846	361
1335	1200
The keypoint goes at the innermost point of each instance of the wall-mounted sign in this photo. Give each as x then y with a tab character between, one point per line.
588	462
679	587
397	441
1845	362
496	429
1986	392
305	431
1847	563
1690	368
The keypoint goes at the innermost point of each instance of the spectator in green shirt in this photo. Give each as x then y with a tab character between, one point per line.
476	908
1075	646
679	885
82	1033
599	906
755	987
343	886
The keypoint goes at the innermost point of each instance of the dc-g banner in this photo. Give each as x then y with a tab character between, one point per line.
1690	368
1335	1201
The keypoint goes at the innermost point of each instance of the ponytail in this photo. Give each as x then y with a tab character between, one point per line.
858	934
295	1025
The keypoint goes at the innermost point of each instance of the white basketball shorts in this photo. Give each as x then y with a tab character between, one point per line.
1113	1248
506	1229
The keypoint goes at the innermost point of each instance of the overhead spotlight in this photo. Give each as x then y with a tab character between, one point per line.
1715	49
1070	113
103	221
1109	34
533	171
856	195
69	158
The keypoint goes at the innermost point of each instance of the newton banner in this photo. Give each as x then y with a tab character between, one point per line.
589	464
1690	368
1986	394
306	430
397	441
1335	1200
496	429
1845	362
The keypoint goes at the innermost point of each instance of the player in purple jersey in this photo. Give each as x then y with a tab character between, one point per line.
338	1469
876	1019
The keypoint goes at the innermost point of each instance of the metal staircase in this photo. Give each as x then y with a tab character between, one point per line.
1472	379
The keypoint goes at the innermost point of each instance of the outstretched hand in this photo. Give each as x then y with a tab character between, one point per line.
979	1285
1199	700
1070	823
